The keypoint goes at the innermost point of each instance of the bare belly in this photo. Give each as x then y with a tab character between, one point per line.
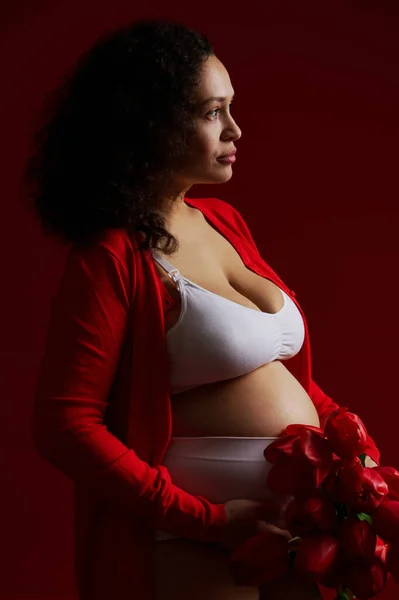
259	404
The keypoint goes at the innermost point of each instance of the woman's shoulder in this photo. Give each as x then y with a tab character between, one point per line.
120	243
113	244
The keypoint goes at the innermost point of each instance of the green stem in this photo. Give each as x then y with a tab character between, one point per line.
344	593
364	517
342	596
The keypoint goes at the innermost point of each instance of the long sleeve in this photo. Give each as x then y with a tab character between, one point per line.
87	331
325	406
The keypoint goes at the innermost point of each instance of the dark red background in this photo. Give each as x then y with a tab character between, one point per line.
316	179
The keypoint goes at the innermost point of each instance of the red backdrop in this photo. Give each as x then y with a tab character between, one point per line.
316	179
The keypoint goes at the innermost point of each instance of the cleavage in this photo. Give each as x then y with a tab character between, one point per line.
244	287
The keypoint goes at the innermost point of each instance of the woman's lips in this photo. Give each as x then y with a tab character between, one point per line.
227	159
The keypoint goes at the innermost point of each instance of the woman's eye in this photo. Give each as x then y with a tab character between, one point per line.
218	109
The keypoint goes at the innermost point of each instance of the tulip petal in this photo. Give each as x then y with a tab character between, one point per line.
386	521
260	560
283	477
317	557
391	478
280	447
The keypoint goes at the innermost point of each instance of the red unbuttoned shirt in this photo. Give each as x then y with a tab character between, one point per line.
102	410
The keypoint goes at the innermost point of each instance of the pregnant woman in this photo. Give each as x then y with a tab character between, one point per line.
174	354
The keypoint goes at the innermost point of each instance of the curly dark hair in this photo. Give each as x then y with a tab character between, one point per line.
110	137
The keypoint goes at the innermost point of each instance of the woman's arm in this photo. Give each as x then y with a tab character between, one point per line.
86	334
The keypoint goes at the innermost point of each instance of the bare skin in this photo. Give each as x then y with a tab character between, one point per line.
273	398
269	397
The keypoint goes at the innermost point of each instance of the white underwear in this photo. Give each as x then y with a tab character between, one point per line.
220	468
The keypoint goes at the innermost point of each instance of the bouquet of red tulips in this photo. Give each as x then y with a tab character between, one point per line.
343	516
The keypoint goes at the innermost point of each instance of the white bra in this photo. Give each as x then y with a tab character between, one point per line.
216	339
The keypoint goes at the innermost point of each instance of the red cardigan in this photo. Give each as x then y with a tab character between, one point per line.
102	410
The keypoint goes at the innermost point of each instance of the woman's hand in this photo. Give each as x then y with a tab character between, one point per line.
247	518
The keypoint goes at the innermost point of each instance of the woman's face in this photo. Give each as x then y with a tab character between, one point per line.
216	129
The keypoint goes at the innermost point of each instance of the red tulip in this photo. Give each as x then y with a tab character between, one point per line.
357	538
381	549
314	448
365	492
317	557
260	560
310	514
366	580
294	477
298	428
284	476
332	484
334	579
346	433
386	520
392	561
391	477
302	442
282	446
302	459
348	482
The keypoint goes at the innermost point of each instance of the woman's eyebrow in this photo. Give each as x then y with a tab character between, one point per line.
218	98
